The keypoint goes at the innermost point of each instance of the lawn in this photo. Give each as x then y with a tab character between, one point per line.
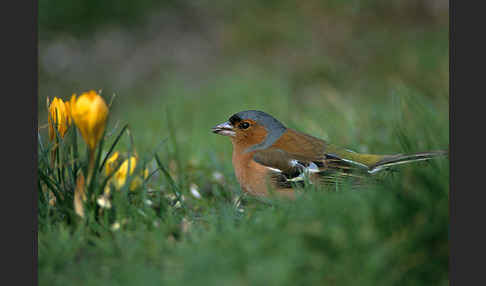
394	231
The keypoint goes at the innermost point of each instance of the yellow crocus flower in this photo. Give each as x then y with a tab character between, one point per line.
58	117
89	112
138	181
122	173
120	176
111	163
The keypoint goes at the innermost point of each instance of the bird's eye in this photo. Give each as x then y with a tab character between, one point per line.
244	125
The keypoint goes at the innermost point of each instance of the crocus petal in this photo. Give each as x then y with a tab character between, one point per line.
89	112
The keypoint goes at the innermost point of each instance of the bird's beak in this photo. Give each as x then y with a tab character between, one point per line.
224	129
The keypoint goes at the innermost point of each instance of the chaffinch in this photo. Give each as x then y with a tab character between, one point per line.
268	155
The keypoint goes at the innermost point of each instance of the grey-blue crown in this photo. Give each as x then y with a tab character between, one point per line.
274	128
265	119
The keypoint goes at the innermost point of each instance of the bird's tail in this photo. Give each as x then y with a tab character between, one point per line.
392	160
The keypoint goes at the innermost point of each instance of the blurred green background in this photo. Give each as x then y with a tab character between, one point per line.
371	75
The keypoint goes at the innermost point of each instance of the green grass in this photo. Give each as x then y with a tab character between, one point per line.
391	233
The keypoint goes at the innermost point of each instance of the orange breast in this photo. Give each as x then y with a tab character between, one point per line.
254	177
250	175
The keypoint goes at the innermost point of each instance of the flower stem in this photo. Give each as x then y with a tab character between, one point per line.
91	163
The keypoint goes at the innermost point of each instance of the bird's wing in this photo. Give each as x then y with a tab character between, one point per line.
296	154
308	147
287	168
301	145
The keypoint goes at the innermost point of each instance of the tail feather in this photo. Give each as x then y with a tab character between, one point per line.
393	160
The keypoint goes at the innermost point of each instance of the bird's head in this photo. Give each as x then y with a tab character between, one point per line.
251	129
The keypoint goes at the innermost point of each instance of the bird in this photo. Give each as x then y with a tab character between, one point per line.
270	158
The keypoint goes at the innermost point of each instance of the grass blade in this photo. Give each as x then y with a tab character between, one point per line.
75	152
172	183
113	147
51	185
92	182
